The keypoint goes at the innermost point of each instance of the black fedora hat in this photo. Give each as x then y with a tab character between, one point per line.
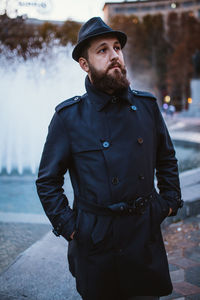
93	28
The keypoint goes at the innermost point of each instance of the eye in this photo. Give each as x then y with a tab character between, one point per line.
102	50
117	48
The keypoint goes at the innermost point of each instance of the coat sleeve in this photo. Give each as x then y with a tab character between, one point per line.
166	166
54	164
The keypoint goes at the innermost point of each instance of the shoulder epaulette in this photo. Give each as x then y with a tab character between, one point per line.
143	94
68	102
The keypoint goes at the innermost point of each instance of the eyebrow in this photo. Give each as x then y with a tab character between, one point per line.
105	44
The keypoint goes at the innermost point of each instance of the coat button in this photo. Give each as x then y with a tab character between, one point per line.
140	140
141	177
115	180
106	144
133	107
121	208
76	98
114	99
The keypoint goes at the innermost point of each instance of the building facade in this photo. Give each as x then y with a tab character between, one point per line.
142	8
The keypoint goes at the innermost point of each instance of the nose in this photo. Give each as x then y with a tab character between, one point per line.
113	55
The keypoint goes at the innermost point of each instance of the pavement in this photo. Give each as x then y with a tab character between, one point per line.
182	242
184	129
41	271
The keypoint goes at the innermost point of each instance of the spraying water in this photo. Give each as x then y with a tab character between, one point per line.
30	90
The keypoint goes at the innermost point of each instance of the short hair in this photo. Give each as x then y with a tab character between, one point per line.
84	52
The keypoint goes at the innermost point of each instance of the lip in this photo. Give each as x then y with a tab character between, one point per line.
115	67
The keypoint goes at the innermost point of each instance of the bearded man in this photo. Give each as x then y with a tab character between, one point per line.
112	140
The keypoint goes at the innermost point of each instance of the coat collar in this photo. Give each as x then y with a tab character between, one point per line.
101	99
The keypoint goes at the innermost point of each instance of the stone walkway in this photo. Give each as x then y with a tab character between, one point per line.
41	272
16	238
182	242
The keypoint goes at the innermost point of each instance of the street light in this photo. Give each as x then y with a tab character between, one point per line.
167	99
173	5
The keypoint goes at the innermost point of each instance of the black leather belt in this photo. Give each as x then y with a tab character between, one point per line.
134	207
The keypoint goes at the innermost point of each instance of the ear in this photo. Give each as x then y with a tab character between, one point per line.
84	64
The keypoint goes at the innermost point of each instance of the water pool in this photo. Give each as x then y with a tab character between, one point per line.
18	193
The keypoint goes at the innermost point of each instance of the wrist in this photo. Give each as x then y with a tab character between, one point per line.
170	211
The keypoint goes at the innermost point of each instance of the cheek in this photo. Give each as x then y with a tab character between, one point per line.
122	61
121	58
101	65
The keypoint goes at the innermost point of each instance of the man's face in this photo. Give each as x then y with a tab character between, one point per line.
105	64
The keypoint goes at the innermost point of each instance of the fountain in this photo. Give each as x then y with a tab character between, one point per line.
29	93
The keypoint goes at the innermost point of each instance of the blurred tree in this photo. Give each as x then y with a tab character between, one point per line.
162	51
47	31
157	49
68	32
27	40
183	34
147	48
17	36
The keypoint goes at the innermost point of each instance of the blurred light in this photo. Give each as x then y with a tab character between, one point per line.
165	106
191	14
173	5
189	100
135	20
42	72
167	99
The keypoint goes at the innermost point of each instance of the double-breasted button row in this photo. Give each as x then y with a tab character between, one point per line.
106	144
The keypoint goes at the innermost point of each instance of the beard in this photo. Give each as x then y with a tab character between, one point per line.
110	83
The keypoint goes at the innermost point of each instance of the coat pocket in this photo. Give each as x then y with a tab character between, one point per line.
84	225
160	208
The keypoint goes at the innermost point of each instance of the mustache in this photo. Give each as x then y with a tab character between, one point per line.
114	64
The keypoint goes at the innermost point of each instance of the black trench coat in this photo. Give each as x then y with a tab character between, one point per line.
112	147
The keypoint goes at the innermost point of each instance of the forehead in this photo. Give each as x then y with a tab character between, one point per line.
105	39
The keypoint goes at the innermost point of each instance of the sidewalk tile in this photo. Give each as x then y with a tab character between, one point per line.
183	262
193	253
185	288
172	296
175	254
193	297
173	268
178	275
192	275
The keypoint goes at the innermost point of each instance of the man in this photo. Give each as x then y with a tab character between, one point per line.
112	140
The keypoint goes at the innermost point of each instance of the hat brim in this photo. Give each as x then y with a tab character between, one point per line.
76	54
